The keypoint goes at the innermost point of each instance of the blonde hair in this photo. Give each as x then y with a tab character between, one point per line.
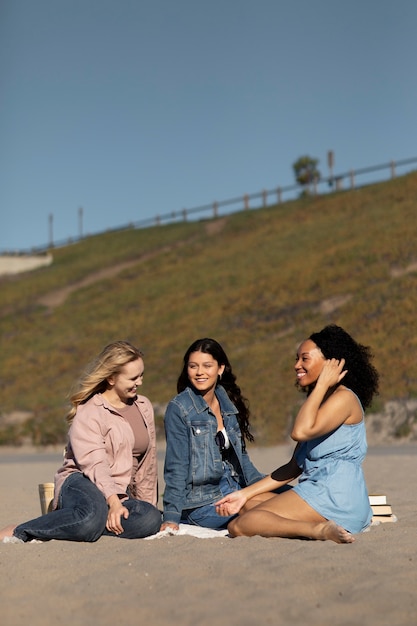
108	363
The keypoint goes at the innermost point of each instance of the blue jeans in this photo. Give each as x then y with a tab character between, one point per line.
206	515
82	516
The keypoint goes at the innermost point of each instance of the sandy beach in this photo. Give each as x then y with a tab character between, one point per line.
186	580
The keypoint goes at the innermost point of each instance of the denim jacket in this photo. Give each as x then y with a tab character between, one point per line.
193	461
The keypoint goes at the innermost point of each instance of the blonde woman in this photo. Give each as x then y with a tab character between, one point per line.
107	484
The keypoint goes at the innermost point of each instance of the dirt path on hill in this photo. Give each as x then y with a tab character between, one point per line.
57	297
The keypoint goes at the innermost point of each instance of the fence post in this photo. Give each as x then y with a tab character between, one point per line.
184	214
215	207
330	163
352	179
392	169
315	186
80	222
279	195
51	234
264	198
158	220
246	201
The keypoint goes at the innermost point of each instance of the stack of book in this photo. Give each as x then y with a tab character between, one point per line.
381	510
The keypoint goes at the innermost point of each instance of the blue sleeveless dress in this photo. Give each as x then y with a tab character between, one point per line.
332	481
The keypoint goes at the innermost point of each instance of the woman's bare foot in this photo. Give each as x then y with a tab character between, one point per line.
7	531
331	530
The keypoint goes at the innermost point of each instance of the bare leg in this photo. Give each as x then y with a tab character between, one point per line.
250	504
7	531
287	515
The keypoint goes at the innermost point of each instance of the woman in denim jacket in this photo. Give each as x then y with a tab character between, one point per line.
107	484
206	426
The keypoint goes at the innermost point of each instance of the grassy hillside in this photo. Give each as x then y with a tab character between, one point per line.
257	281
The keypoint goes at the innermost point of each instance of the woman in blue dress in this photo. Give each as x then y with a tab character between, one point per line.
330	500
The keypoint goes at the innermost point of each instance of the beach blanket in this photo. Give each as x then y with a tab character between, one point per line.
193	531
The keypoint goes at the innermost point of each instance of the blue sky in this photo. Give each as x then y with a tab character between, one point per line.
133	108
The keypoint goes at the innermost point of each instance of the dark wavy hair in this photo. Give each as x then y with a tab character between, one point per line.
361	377
228	380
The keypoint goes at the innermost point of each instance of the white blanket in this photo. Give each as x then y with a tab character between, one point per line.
193	531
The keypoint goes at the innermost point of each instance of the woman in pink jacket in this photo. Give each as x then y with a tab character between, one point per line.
107	484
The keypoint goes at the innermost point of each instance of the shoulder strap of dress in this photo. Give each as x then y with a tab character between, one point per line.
357	398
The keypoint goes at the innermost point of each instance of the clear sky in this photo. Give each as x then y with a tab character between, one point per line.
130	108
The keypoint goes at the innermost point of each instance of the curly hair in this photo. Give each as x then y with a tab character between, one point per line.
108	363
362	377
228	380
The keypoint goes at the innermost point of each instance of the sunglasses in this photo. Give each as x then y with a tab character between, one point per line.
220	440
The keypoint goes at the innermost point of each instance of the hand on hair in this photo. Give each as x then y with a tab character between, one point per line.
332	372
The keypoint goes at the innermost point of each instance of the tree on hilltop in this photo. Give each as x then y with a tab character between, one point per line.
306	172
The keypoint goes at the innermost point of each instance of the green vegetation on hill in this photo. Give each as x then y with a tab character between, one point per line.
258	281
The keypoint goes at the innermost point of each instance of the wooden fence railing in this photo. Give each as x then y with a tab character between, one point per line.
247	201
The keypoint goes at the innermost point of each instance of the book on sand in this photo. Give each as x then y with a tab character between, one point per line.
381	519
377	498
381	509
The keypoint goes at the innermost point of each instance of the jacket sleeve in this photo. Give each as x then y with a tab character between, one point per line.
88	446
251	474
177	459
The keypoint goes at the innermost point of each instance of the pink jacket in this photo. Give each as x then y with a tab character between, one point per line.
100	446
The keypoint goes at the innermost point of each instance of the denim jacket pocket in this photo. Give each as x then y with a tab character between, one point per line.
206	462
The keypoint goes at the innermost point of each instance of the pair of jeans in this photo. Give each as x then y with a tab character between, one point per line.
206	515
82	516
